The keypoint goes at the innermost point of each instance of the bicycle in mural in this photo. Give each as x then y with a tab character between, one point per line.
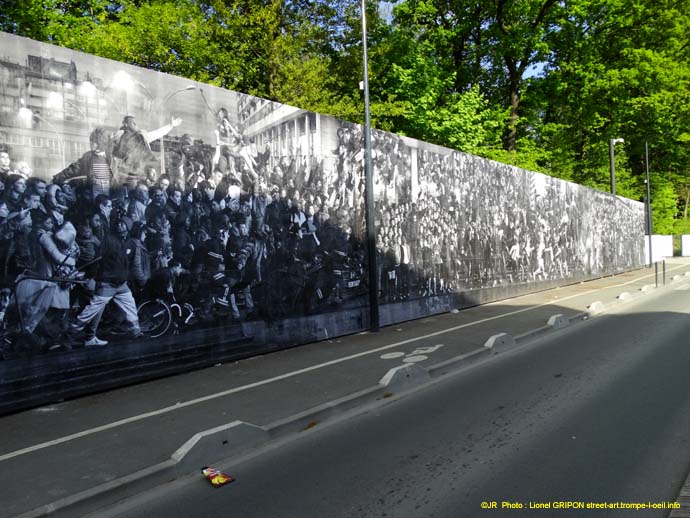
298	288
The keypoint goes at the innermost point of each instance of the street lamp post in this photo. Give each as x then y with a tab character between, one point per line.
369	197
648	205
612	162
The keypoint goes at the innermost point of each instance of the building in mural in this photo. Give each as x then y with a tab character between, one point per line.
136	203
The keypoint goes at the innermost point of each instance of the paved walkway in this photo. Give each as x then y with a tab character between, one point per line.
52	453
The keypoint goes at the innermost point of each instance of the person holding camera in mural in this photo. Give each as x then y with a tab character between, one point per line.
111	285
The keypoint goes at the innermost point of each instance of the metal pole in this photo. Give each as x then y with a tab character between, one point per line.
369	197
656	274
663	267
648	204
612	165
162	171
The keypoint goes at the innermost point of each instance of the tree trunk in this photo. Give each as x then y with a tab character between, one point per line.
510	138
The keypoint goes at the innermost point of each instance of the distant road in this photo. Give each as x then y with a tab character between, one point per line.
599	413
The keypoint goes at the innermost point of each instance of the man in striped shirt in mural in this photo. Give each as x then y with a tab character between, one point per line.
95	165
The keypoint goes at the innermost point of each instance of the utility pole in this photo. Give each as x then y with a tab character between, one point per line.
648	205
369	197
612	161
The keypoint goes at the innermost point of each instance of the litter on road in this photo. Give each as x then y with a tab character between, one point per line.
215	477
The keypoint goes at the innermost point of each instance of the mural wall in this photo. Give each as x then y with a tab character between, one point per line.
137	204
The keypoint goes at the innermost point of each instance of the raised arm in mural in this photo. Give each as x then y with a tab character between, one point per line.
231	142
132	145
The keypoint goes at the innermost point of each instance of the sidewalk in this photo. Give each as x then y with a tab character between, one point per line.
55	458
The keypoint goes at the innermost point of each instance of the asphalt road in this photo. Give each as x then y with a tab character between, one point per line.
598	413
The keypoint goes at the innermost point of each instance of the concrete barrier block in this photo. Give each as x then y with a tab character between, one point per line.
405	376
675	278
218	443
558	321
596	307
578	317
647	287
626	295
500	342
687	274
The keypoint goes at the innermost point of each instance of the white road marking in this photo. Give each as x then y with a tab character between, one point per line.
180	405
392	356
427	350
415	359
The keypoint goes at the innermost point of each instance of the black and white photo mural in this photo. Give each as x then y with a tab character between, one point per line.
143	214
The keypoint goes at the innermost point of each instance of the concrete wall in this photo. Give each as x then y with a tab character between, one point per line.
662	246
252	215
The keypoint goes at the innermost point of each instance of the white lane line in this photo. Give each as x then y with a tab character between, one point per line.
235	390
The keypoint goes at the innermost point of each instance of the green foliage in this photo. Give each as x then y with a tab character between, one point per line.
681	226
664	202
540	84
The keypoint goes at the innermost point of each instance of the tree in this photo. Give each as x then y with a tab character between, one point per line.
491	44
619	68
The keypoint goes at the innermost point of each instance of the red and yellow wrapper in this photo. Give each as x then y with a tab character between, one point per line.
215	477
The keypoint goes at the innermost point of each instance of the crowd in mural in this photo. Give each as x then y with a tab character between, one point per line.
221	231
227	231
472	224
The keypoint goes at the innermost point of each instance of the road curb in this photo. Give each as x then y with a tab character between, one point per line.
222	441
500	342
558	321
458	362
404	376
108	493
